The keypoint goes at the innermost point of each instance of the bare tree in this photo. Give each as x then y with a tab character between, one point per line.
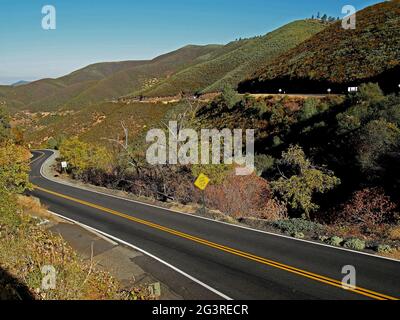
124	145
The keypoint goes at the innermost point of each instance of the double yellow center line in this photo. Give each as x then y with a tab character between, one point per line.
42	154
249	256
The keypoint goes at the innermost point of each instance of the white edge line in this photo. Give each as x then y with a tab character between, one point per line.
146	253
212	220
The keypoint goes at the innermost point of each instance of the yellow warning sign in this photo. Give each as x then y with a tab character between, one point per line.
202	182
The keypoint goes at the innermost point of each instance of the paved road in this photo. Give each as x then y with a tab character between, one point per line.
236	263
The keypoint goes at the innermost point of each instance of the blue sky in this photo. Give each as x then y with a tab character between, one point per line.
91	31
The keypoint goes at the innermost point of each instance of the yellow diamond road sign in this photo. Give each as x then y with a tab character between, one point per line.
202	182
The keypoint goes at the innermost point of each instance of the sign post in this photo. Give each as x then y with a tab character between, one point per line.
201	183
64	166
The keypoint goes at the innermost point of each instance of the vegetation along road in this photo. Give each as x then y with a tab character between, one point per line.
230	261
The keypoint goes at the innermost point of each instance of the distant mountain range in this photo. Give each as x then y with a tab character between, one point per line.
188	70
20	83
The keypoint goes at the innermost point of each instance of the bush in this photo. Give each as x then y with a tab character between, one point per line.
295	226
355	244
82	156
301	181
244	196
376	139
335	241
394	233
263	163
299	235
384	249
369	206
309	109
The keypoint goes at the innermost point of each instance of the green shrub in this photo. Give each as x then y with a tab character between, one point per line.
297	226
335	241
384	249
355	244
323	238
263	163
298	235
277	141
301	181
309	109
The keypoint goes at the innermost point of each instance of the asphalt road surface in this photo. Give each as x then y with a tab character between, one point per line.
230	262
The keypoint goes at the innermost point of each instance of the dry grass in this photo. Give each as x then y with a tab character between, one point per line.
32	207
26	249
394	233
393	255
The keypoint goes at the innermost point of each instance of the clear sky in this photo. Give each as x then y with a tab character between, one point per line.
90	31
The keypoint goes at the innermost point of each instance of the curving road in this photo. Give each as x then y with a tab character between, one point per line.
229	261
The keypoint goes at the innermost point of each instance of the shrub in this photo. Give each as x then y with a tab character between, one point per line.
229	97
299	235
323	238
370	93
5	128
217	173
277	141
309	109
335	241
369	206
263	163
301	181
375	140
384	249
354	244
294	226
244	196
82	156
394	233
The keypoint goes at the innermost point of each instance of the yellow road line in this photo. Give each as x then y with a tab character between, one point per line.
303	273
38	158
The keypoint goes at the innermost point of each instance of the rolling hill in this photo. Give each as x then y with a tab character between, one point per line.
236	61
336	58
99	82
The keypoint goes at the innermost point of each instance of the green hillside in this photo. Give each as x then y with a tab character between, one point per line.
142	76
99	82
339	56
236	61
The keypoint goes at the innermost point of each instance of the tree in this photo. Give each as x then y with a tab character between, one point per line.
375	140
229	97
370	93
14	168
309	109
300	180
14	179
263	163
55	142
82	156
5	128
216	172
